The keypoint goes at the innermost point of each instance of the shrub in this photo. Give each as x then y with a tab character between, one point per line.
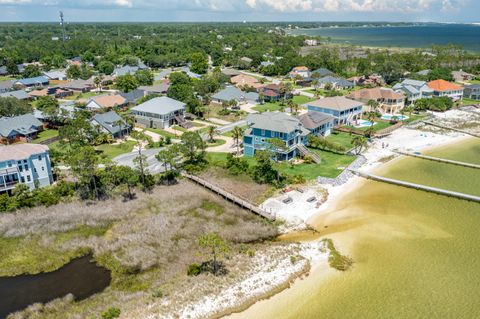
194	269
111	313
293	260
158	293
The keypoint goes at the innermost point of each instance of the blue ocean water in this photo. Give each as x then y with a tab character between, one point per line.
423	36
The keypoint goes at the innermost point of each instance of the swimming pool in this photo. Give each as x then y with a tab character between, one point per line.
363	123
399	117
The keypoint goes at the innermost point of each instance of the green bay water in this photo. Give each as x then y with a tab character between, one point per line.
417	255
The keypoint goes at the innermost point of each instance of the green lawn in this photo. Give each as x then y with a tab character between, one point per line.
470	101
275	106
179	128
331	166
6	78
45	135
342	138
161	132
376	127
217	142
112	151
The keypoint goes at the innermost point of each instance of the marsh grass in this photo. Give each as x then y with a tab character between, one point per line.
146	243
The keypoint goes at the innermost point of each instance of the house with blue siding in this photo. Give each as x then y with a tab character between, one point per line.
319	124
343	110
269	125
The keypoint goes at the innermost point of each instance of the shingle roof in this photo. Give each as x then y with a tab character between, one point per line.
274	121
414	83
322	72
22	124
20	151
233	93
160	105
33	81
77	85
339	103
108	101
312	120
134	95
335	80
156	88
127	69
109	121
442	86
375	94
6	85
19	94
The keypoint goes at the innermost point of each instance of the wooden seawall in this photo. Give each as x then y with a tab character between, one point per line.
451	129
440	160
227	195
425	188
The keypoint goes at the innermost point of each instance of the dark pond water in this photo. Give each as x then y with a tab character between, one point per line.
81	277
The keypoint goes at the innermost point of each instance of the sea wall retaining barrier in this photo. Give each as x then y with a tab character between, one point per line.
345	175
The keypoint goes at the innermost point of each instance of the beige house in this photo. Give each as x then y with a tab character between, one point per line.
389	101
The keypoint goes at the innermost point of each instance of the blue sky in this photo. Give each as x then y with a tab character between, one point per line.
239	10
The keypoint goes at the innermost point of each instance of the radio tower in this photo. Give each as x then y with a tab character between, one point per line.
62	24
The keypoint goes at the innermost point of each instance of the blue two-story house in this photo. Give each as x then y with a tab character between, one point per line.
343	110
269	125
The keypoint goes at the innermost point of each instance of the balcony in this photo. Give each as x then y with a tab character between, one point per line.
5	186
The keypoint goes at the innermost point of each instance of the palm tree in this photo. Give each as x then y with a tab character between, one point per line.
98	82
359	143
237	134
212	131
373	105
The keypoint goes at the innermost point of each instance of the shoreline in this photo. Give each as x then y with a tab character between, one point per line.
375	161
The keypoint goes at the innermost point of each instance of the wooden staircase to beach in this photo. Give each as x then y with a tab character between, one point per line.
305	152
183	122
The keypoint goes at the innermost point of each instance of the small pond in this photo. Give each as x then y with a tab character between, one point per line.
81	277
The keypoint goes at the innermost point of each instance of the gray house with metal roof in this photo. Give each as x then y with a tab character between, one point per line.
413	89
160	112
19	128
110	123
266	126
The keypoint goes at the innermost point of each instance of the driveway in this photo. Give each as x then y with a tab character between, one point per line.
153	165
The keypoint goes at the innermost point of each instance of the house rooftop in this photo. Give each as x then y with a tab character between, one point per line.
274	121
160	105
23	124
22	151
375	94
19	94
442	86
33	81
109	121
108	101
312	120
233	93
338	103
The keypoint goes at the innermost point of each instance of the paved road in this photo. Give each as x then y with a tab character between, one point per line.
153	165
229	127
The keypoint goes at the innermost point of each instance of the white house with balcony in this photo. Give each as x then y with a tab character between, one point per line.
28	164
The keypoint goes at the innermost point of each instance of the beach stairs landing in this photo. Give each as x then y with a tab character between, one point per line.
183	122
305	152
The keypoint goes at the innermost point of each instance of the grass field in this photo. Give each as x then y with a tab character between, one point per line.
111	151
275	106
331	166
161	132
341	138
45	135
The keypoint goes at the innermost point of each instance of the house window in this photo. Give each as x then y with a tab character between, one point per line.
20	168
26	167
39	157
34	169
43	168
263	132
28	178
